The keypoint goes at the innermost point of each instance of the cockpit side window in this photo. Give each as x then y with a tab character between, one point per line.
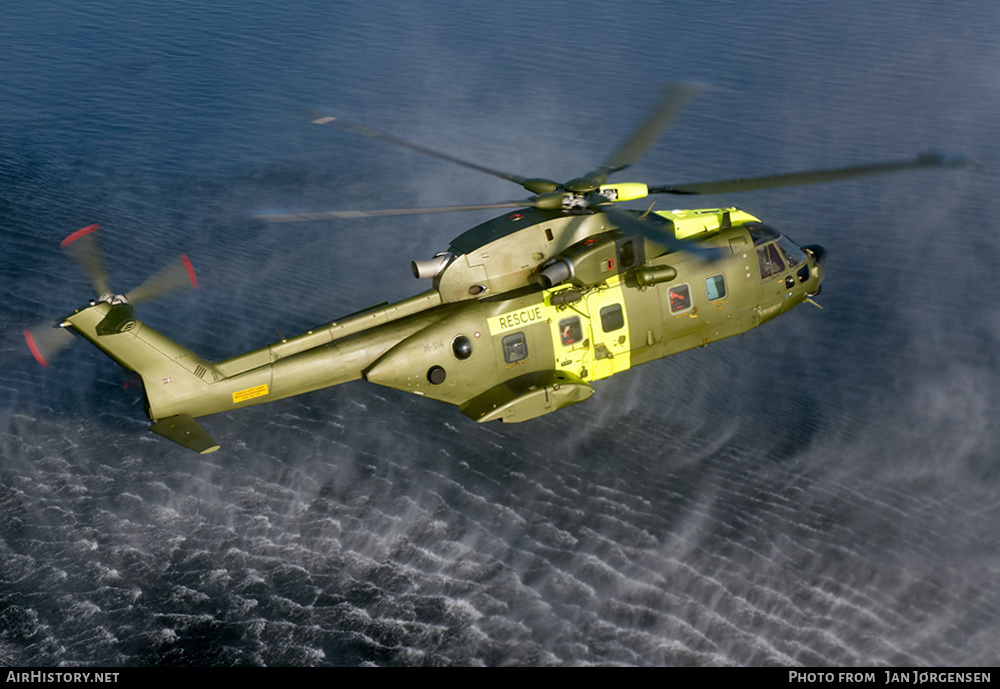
764	261
770	260
777	263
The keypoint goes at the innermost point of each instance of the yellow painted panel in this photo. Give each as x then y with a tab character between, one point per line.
529	315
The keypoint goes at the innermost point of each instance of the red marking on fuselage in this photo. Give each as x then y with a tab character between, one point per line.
79	233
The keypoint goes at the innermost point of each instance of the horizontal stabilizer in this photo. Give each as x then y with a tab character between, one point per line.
184	430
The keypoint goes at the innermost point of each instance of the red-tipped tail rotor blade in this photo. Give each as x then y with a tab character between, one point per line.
72	237
45	342
82	246
175	276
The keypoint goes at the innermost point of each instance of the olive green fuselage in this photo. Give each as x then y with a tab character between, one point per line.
488	337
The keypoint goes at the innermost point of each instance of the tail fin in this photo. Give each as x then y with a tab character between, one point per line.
176	380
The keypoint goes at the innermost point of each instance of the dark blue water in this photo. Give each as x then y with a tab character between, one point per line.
820	491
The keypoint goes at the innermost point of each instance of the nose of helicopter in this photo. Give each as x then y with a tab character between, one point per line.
819	255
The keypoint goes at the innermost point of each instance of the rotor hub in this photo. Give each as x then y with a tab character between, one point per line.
582	185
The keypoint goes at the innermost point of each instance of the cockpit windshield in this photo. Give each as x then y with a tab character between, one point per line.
776	257
792	252
776	253
760	233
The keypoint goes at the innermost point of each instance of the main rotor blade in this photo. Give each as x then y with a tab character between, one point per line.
82	246
675	98
330	215
175	276
362	130
660	235
927	160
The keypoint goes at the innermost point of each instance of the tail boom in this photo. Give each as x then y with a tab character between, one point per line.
180	386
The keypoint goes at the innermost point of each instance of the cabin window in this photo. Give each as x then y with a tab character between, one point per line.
461	346
515	348
679	298
570	331
612	318
715	287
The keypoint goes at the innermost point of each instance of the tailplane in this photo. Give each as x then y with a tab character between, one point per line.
184	430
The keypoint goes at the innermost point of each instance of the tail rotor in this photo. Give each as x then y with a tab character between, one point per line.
45	342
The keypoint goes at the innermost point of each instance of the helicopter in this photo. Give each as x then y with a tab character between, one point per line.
525	312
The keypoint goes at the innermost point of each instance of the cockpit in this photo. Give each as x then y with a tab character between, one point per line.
778	255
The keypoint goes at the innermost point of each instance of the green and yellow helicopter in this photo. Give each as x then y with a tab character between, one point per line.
524	313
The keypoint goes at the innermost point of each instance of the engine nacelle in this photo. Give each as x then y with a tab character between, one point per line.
555	273
430	268
593	260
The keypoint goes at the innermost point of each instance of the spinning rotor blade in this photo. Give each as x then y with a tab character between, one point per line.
328	215
362	130
655	233
175	276
82	246
675	99
927	160
46	341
